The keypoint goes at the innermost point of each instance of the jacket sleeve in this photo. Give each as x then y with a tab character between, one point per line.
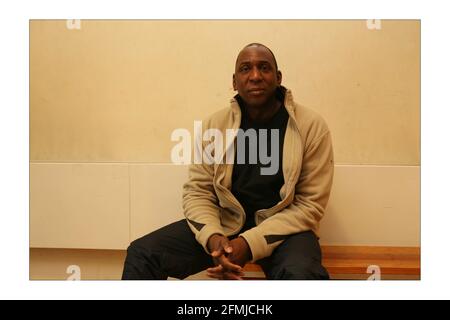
200	203
307	208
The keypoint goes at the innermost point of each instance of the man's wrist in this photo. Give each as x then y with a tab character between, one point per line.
249	250
211	240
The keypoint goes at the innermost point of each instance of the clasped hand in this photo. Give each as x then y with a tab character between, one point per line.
228	256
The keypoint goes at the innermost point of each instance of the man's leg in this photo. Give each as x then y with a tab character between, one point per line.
171	251
298	258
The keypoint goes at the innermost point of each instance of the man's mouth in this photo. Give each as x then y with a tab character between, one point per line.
256	92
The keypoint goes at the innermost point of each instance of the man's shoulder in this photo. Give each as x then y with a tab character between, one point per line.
311	123
220	119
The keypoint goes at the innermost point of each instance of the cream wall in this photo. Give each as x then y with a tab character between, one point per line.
105	99
106	206
53	264
115	90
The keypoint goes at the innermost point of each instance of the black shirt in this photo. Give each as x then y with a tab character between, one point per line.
253	190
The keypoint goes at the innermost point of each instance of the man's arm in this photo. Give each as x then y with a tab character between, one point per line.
312	192
200	204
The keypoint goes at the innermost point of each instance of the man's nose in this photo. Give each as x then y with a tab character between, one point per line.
255	74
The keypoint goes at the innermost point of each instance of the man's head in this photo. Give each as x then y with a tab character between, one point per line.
256	76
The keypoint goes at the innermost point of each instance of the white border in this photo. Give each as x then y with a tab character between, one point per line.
14	126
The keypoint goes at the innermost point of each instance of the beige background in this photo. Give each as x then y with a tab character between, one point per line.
105	99
115	90
105	206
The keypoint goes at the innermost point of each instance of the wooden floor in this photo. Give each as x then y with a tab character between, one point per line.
358	262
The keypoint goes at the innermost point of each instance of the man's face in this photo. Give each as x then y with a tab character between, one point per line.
256	77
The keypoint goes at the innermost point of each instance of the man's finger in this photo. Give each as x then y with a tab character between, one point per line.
225	275
228	265
216	253
214	271
228	248
226	245
231	276
218	268
216	275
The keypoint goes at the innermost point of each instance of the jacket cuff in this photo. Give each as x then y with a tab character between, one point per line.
257	244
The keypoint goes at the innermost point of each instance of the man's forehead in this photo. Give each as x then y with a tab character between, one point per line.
254	53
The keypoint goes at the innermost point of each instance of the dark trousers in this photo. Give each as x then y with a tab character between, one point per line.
173	251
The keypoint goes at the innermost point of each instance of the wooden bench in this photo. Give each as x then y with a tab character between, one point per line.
353	262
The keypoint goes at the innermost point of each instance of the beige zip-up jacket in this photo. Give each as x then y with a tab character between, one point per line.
308	164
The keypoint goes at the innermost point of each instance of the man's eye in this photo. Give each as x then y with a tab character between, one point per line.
265	67
245	68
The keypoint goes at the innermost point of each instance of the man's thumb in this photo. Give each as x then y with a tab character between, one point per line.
215	253
228	248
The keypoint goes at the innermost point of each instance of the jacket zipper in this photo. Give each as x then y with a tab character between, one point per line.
288	187
229	196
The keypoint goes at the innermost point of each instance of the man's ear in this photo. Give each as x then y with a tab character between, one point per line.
234	82
279	77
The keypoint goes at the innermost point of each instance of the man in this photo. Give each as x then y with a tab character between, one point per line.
236	214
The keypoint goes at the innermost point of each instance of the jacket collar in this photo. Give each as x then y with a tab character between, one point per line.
291	160
283	91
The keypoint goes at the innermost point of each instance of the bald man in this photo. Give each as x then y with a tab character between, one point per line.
241	212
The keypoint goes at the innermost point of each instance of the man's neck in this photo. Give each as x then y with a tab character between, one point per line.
263	113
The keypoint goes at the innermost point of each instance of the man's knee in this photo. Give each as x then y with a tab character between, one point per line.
307	270
144	246
143	261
